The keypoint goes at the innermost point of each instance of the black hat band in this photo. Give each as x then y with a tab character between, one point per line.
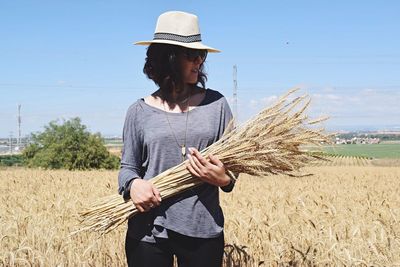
177	38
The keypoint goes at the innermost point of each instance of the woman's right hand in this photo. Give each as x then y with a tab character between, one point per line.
144	195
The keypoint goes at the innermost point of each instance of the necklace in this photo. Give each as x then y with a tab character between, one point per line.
182	146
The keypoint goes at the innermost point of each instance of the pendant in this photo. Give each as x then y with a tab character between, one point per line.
183	151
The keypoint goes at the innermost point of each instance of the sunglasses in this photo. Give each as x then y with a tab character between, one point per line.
193	54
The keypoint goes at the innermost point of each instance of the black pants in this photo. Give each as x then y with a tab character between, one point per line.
190	251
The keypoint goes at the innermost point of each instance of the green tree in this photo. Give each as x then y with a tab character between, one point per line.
68	146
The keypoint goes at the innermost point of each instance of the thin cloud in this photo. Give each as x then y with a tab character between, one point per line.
263	102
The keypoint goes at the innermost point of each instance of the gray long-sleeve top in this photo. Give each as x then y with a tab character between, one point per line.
150	148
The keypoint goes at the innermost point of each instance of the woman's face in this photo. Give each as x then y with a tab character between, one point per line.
191	60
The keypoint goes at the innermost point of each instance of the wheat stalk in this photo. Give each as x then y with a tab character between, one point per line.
267	144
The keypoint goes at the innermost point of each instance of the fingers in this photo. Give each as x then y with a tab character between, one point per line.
210	170
140	208
200	159
157	194
144	207
215	160
145	195
189	166
203	168
196	165
197	154
153	200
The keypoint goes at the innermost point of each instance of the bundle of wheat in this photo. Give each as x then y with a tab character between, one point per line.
267	144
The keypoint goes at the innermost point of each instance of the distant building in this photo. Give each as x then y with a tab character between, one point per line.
357	140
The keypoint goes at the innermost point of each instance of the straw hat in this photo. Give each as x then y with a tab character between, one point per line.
178	28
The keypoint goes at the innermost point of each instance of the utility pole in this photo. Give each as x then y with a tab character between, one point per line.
19	127
235	108
11	137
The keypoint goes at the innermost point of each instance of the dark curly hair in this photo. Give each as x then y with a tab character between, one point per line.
162	66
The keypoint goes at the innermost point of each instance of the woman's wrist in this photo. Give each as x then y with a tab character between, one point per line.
231	176
127	190
231	179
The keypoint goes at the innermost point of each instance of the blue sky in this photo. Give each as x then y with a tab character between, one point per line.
61	59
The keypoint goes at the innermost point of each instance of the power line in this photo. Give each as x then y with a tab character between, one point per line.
323	89
255	88
69	87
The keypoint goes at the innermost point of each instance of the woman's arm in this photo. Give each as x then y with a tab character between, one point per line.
131	160
144	194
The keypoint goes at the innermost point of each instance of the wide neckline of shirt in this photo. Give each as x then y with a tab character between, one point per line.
176	113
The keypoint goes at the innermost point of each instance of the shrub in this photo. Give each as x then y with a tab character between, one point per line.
11	160
68	146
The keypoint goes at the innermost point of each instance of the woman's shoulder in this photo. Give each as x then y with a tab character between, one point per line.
135	108
213	96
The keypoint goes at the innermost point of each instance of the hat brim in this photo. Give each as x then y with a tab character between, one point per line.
194	45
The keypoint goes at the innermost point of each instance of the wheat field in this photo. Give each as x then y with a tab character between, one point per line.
341	215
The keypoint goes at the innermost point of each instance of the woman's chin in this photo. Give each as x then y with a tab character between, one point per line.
192	82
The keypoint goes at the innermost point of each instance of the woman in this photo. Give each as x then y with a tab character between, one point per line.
162	130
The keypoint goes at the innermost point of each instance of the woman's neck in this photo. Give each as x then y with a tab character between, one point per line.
187	100
179	96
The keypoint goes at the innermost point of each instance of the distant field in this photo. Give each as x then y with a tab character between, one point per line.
114	146
388	150
113	142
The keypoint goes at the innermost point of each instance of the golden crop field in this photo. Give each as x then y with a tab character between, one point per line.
342	215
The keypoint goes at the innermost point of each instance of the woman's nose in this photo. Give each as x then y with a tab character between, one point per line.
198	60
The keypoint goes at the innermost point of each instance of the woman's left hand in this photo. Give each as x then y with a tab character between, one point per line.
212	172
